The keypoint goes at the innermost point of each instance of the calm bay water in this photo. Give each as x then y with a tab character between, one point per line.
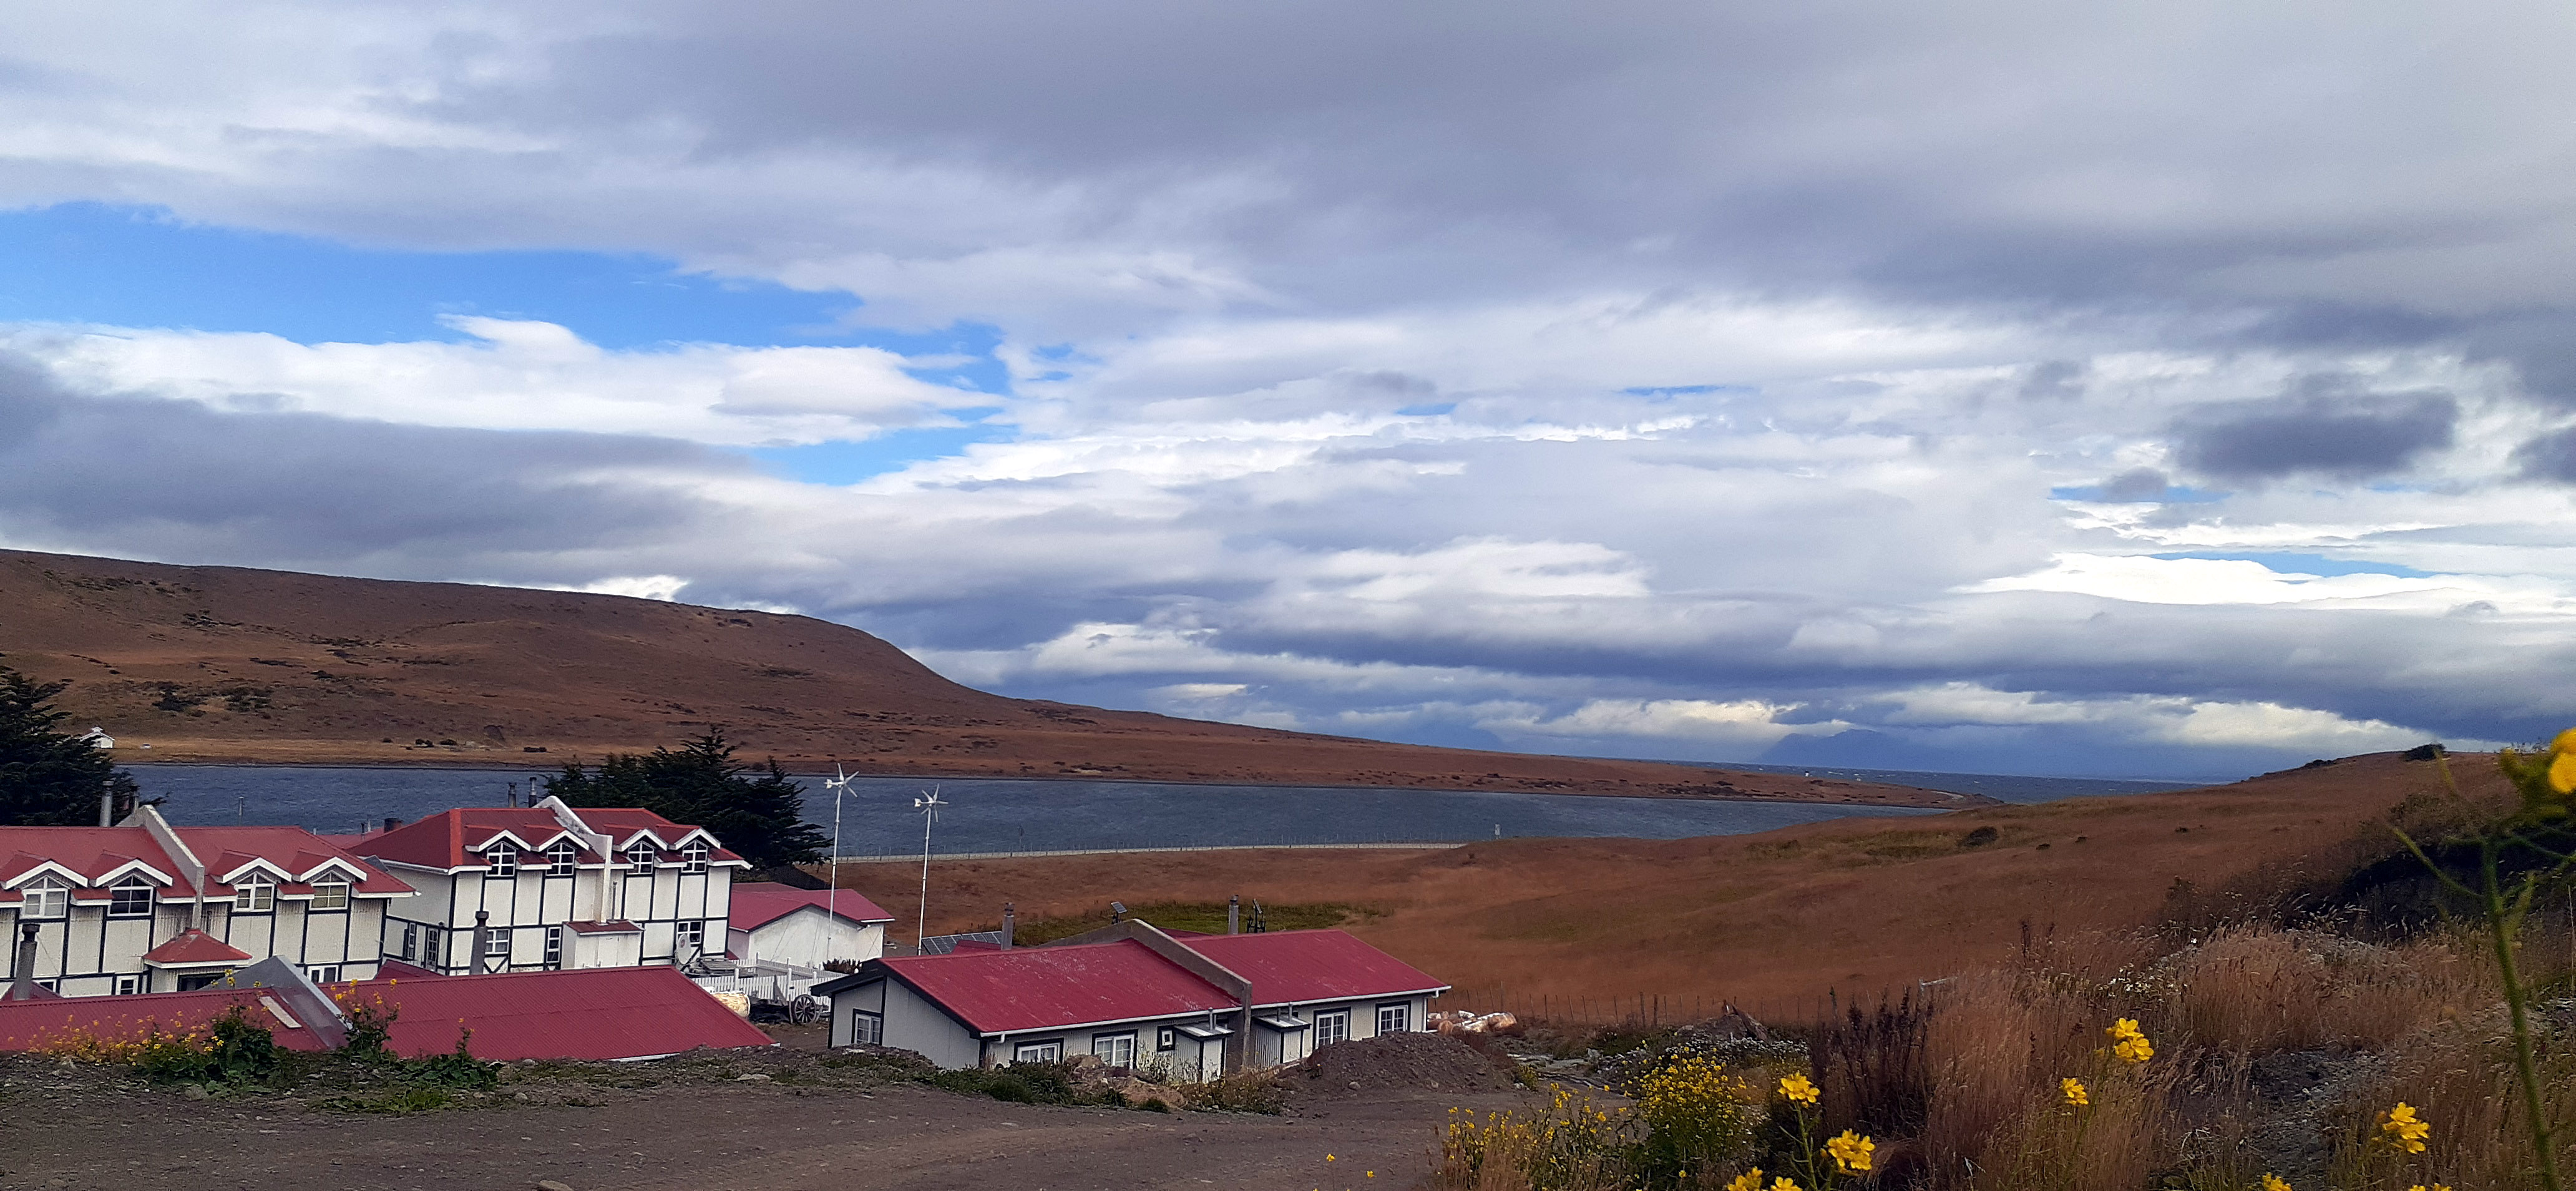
989	815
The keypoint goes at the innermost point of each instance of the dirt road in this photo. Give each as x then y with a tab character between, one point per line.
77	1128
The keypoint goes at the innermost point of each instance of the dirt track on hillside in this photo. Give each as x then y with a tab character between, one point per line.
224	664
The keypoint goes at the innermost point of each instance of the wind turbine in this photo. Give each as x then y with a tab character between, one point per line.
838	784
929	806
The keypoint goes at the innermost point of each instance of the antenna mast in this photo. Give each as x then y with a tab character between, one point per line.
838	784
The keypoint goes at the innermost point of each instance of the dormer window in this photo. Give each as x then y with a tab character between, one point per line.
501	860
47	898
562	857
254	894
693	859
640	858
130	898
330	895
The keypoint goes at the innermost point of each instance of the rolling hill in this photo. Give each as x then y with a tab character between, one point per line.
236	665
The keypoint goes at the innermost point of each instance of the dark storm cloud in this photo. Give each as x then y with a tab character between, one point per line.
2550	457
2323	427
153	476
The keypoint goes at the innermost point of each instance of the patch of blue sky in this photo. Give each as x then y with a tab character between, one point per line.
141	267
2308	564
2170	496
1668	392
839	463
1430	410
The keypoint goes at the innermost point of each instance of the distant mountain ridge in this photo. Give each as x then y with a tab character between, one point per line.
240	665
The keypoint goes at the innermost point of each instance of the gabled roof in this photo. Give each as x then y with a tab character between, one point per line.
1045	988
459	838
93	858
194	948
1299	966
758	903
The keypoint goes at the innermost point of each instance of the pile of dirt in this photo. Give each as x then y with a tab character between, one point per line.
1393	1062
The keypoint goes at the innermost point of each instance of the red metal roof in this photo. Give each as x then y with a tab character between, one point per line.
1039	988
457	838
97	853
27	1025
758	903
587	1013
192	947
592	1013
1311	965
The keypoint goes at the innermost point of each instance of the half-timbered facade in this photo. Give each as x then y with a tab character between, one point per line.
551	887
146	907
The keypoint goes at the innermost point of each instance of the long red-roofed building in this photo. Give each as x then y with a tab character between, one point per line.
1195	1006
146	907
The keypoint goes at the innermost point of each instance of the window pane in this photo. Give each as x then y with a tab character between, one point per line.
331	895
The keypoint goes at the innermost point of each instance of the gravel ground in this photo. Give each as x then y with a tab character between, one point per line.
695	1122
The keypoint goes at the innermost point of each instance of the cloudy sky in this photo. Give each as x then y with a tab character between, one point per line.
2041	388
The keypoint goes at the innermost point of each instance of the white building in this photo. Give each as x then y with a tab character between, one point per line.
1196	1006
803	928
146	907
551	887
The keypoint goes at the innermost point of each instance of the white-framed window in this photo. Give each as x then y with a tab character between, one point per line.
255	894
693	859
1116	1050
1332	1026
554	947
330	895
1394	1019
127	986
562	857
410	948
47	898
501	860
496	945
326	974
130	898
688	939
1166	1038
1051	1051
867	1029
640	858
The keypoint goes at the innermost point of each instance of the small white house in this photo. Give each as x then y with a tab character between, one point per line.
803	928
1194	1006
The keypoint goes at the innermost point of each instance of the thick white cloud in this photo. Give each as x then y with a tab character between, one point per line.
1631	378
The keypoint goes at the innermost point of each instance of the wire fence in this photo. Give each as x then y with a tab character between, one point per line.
1412	845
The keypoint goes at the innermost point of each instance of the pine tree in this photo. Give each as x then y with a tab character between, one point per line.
48	777
756	811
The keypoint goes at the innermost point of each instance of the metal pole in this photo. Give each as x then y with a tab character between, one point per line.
921	921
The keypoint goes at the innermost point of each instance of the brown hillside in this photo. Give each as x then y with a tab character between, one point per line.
1770	920
229	664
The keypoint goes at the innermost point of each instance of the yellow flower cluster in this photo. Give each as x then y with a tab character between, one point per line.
1798	1089
2434	1187
2130	1043
142	1044
2402	1129
2546	780
1851	1152
1571	1135
1751	1180
2076	1096
1693	1104
2274	1182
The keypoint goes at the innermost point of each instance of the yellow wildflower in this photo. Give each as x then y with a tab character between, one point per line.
1785	1183
2403	1129
1851	1152
2129	1042
1797	1088
2075	1095
2434	1187
2274	1182
2562	772
1751	1180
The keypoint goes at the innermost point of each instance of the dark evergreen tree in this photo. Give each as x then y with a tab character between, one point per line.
48	777
756	811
